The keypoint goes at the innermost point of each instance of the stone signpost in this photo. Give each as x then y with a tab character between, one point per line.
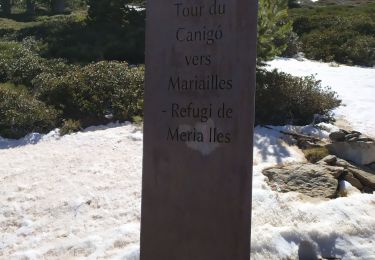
199	113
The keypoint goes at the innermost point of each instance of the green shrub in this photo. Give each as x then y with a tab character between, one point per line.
106	88
19	6
344	34
137	120
95	92
326	45
293	45
345	47
18	64
284	99
73	39
76	4
360	51
21	113
70	126
274	27
57	91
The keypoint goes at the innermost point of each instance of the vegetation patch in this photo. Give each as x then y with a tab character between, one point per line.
284	99
74	66
21	113
70	126
96	93
315	154
341	33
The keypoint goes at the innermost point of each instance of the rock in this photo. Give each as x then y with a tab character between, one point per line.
352	136
366	178
365	139
321	163
309	179
336	171
368	190
358	152
306	144
342	163
349	177
371	166
353	139
330	159
338	136
344	131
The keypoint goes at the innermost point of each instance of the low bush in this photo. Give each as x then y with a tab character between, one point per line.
56	90
360	51
94	93
293	45
18	64
284	99
108	89
21	113
80	40
70	126
344	47
345	34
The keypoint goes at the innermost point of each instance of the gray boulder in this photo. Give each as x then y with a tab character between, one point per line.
329	159
365	177
349	177
338	136
310	179
371	166
335	171
353	139
361	153
353	136
342	163
365	139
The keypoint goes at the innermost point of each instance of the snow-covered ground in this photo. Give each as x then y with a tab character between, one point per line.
78	196
355	86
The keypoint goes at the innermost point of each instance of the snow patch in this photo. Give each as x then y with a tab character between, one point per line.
354	85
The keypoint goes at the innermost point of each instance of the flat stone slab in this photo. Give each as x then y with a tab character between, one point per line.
310	179
361	153
366	178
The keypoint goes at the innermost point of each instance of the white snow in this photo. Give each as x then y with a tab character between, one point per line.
355	86
32	138
78	196
74	196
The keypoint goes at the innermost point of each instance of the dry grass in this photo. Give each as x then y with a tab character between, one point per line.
315	154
